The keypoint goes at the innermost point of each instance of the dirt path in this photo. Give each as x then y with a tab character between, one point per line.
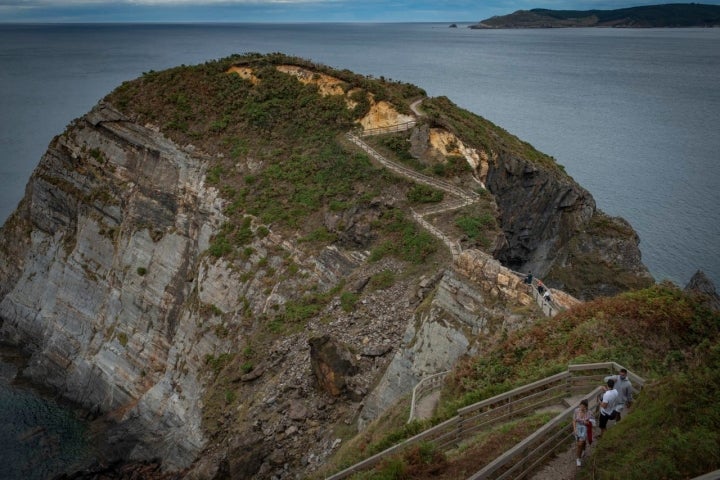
426	406
563	466
414	107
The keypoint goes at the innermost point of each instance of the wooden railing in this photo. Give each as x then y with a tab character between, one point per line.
400	127
520	401
528	455
426	385
525	457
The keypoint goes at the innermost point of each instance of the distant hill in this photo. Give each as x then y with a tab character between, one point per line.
651	16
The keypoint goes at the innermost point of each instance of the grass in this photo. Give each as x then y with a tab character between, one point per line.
406	239
660	333
382	280
674	429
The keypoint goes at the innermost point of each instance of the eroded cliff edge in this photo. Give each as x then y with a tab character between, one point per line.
171	268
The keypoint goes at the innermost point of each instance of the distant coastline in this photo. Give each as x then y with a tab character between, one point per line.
652	16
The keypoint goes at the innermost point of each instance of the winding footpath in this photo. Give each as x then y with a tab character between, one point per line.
459	197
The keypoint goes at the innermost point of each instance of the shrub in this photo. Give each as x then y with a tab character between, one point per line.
348	300
247	367
217	363
423	194
214	175
474	226
382	280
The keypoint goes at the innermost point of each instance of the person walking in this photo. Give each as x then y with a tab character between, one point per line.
625	392
546	296
607	406
583	421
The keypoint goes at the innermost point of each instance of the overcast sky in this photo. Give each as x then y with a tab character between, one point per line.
288	10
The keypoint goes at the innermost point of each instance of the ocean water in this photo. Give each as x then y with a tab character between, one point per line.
39	438
633	115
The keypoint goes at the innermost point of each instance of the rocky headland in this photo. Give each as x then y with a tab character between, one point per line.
232	289
649	16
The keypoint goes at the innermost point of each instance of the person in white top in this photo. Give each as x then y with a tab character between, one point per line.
624	389
607	405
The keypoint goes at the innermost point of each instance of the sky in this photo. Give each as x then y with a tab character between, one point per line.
288	11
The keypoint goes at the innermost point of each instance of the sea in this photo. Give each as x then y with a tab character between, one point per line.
632	114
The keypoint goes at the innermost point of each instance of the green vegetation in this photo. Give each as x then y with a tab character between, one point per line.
142	271
285	128
230	396
420	193
660	333
407	240
278	157
348	301
674	428
423	461
297	312
381	280
642	329
480	133
476	226
217	363
454	165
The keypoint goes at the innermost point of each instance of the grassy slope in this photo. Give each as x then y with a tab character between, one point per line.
662	333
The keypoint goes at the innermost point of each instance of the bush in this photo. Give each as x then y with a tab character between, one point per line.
382	280
348	301
423	194
475	226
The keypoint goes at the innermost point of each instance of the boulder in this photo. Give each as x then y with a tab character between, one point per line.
331	363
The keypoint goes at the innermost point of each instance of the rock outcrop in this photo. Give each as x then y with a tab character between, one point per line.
703	286
331	364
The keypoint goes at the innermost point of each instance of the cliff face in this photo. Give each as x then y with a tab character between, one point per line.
540	212
243	347
102	258
550	224
553	229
